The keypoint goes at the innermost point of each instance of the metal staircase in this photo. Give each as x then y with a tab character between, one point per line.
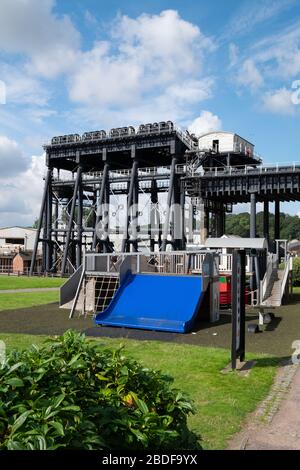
275	283
273	293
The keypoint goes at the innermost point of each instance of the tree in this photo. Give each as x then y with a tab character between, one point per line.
239	224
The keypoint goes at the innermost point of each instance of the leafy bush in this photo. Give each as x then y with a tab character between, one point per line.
296	271
72	394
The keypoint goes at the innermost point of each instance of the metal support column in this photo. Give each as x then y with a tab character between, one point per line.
129	200
70	224
39	227
49	250
252	235
176	216
277	221
100	201
55	244
204	221
154	228
253	215
169	202
266	221
79	225
44	237
135	215
105	217
191	222
183	234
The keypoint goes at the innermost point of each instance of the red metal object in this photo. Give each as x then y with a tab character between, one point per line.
225	292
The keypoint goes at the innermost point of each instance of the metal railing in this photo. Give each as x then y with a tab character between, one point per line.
124	173
179	262
272	263
248	169
288	267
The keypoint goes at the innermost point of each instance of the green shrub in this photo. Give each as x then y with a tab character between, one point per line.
72	394
296	271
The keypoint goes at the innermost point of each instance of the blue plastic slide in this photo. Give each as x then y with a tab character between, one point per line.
154	302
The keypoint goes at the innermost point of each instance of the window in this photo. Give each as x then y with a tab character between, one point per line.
15	241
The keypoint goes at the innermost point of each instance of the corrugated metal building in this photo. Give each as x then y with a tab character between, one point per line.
225	142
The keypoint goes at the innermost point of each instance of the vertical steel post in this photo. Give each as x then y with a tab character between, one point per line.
38	232
129	201
169	202
49	251
44	238
191	222
135	214
106	214
253	215
154	216
204	222
55	244
252	235
70	224
266	221
79	224
100	202
176	216
277	221
182	205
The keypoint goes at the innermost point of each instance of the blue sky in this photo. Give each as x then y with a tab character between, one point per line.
70	66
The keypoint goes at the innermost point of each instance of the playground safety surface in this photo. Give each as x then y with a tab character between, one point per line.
277	338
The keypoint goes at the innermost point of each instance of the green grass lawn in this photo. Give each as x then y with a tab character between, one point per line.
24	282
26	299
222	401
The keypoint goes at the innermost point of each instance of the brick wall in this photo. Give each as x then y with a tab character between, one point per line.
18	264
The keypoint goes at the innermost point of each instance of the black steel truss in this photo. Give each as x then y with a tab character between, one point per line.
73	213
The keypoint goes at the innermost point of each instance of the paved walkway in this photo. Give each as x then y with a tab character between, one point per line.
37	289
276	423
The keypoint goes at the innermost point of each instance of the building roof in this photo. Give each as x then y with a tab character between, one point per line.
26	255
225	132
237	242
230	236
19	226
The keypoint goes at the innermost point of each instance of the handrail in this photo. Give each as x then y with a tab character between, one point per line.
249	169
284	279
264	283
166	262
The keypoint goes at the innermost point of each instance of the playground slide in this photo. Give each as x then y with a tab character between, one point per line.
155	302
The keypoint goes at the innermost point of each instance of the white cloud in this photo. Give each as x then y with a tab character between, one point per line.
249	15
12	160
20	199
279	54
249	75
22	88
206	122
279	101
233	54
146	61
269	68
32	28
